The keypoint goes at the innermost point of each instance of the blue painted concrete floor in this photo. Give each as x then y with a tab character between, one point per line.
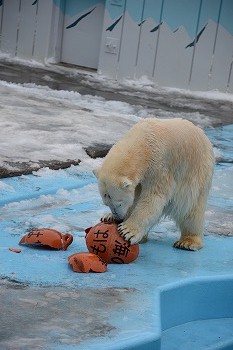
167	299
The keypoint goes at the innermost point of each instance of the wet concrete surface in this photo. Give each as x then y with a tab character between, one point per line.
33	317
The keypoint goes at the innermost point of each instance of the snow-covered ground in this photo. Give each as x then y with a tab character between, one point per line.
38	123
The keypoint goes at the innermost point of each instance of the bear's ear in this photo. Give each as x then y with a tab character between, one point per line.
96	172
126	183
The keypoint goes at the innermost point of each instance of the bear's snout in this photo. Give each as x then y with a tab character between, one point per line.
117	216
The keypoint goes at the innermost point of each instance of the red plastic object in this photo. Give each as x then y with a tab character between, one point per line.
47	237
87	262
104	240
15	250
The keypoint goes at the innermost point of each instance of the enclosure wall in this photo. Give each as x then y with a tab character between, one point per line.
176	43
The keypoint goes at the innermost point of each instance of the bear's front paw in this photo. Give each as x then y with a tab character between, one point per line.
130	233
108	217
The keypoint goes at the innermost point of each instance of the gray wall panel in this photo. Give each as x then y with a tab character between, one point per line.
10	23
151	18
177	43
131	29
178	30
82	35
1	14
43	30
27	24
222	57
173	59
205	43
111	38
230	87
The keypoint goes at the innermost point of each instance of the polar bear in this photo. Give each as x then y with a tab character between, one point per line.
159	168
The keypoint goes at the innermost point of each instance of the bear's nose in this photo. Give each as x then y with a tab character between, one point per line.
116	216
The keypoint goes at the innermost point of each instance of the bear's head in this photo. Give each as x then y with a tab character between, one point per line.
117	192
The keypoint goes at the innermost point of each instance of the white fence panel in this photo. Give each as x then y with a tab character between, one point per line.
204	47
43	29
111	37
82	34
222	61
175	48
179	43
173	60
1	14
26	29
148	38
130	38
10	24
230	87
224	50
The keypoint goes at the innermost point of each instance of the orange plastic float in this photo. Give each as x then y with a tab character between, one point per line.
15	250
104	240
87	262
47	237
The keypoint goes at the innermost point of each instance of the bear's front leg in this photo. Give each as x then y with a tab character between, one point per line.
146	214
130	232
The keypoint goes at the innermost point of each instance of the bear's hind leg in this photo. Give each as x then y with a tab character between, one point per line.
144	239
192	226
189	241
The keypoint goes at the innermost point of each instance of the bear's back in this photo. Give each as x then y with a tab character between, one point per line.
163	143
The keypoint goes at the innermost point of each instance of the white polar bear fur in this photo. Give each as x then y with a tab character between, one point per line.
159	168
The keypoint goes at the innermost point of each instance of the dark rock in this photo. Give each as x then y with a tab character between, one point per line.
98	150
25	168
220	160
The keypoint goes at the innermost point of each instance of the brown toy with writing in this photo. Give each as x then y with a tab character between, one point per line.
105	241
46	237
